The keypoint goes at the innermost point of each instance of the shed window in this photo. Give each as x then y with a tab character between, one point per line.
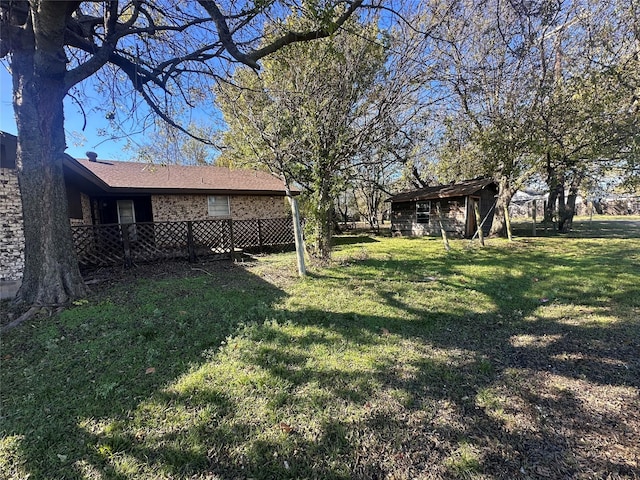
423	212
219	206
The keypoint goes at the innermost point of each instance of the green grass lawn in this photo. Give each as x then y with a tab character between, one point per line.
398	361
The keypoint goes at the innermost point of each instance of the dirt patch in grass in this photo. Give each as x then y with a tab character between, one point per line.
169	269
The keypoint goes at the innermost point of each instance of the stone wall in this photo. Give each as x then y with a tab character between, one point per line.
172	208
11	229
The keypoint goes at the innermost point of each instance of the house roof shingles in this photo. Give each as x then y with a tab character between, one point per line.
467	187
148	177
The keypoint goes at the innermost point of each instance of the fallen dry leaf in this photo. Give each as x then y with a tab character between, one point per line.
286	427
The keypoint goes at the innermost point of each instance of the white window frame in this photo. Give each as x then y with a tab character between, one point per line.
218	206
133	232
423	212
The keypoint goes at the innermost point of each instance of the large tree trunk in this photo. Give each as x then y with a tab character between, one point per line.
566	214
323	221
373	206
562	205
550	206
565	222
555	202
51	275
505	194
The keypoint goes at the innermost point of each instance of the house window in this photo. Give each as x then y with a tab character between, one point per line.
423	212
127	216
219	206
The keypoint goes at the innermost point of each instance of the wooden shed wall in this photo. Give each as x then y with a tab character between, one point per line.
457	213
404	218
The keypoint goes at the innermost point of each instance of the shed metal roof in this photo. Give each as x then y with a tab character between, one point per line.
462	189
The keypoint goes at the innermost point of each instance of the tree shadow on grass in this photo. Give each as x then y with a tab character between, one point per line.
560	369
353	240
587	372
421	393
514	406
99	361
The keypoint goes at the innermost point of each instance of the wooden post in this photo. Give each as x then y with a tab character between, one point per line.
445	240
507	221
476	211
297	232
260	241
191	248
124	228
534	213
232	246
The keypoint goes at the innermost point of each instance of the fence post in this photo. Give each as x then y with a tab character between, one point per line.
190	245
124	228
260	241
232	246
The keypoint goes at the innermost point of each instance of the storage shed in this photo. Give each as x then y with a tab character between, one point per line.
415	213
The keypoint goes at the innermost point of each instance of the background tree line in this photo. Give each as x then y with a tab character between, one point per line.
522	91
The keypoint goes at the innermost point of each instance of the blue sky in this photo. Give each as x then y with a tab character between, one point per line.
106	149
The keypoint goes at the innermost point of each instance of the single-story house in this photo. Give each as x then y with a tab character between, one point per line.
114	192
415	213
101	192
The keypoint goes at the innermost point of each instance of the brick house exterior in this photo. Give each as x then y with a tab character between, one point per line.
171	208
11	229
100	191
110	192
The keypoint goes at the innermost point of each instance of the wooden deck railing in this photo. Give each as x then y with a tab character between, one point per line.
115	244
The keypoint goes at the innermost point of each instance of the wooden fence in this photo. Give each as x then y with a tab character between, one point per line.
115	244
